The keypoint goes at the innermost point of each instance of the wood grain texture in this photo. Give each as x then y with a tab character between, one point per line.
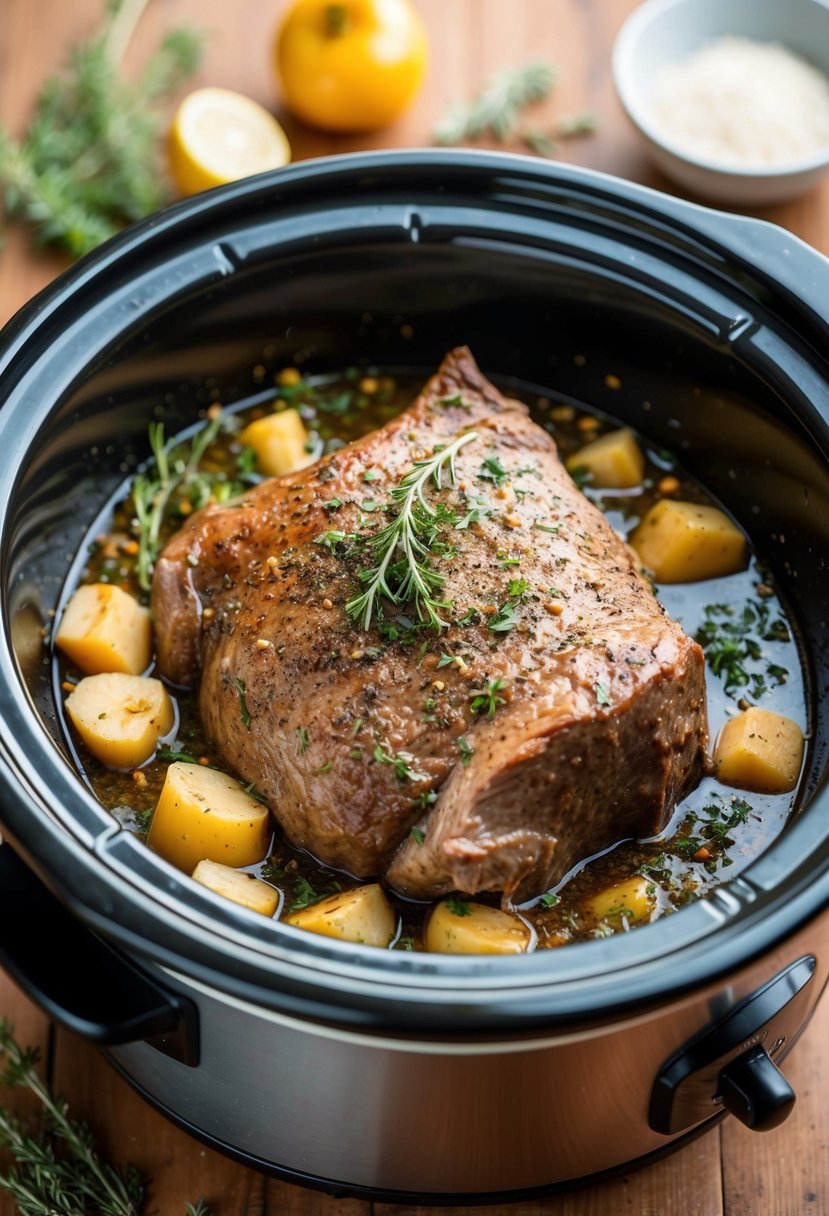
730	1171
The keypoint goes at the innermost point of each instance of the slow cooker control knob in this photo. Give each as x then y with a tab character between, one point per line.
731	1063
755	1091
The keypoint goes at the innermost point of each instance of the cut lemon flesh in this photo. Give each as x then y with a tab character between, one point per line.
219	136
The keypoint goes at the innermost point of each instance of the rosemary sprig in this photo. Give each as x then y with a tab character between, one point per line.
89	162
151	495
497	107
43	1183
408	538
61	1172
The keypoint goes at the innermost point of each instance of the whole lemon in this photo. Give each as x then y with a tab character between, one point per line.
353	65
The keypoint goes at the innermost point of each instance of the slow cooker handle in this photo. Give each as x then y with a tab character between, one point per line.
78	979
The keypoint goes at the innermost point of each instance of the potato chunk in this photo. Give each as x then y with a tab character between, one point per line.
279	442
243	888
457	926
120	717
759	750
632	901
362	915
684	542
105	629
615	460
202	813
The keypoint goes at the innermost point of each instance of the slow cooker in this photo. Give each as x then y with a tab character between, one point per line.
354	1069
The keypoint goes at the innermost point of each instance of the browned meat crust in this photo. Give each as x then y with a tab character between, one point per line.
601	723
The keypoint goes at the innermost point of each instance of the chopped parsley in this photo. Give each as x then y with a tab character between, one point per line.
732	641
466	750
401	762
302	740
459	907
487	700
492	470
417	835
504	619
518	587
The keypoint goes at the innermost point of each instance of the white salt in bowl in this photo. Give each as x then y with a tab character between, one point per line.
663	32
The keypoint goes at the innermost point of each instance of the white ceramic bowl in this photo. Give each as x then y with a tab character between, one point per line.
661	32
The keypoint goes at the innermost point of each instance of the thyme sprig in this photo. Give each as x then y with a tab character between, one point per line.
89	162
496	108
60	1173
403	548
151	494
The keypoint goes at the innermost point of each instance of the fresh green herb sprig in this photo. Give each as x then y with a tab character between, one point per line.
89	162
409	538
60	1172
496	109
175	475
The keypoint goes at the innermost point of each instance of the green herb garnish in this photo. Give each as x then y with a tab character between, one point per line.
174	755
732	644
417	835
332	539
504	620
486	701
401	762
459	907
176	471
602	693
466	750
239	685
302	740
409	538
517	587
492	470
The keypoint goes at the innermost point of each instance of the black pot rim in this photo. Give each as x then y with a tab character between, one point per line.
154	914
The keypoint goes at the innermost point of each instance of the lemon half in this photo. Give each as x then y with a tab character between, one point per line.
219	136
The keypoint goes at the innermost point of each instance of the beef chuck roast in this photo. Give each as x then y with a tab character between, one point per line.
560	711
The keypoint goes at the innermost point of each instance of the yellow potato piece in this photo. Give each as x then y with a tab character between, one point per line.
202	813
759	750
238	885
457	926
632	901
360	915
614	460
105	629
279	442
685	542
120	717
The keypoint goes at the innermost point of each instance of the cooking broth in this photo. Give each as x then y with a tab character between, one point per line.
748	639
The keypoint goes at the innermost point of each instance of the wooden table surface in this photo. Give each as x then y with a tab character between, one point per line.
730	1170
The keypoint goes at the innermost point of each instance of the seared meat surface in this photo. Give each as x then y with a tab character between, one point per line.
560	711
